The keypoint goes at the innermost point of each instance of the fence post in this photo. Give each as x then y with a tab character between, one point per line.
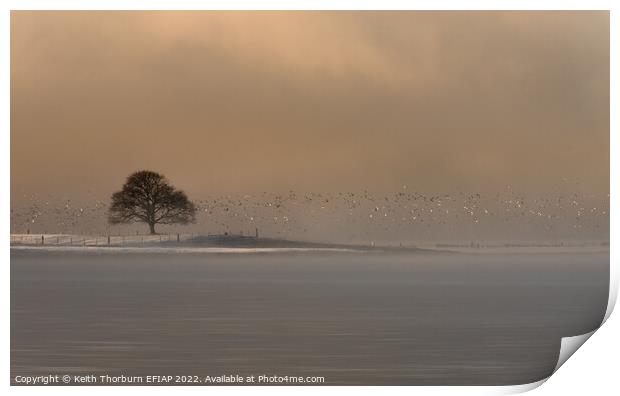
108	240
178	237
42	240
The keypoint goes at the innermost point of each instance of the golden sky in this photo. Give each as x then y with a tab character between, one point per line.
260	101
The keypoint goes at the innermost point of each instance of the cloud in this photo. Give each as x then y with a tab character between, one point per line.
251	100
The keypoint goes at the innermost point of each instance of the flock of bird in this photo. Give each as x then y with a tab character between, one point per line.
356	215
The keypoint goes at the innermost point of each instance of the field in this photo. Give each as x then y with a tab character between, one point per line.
402	318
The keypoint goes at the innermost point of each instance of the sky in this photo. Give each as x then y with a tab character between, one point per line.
246	102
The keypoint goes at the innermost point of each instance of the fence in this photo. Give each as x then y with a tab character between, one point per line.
93	240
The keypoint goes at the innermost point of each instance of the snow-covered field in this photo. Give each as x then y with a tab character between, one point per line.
142	244
192	243
581	249
161	249
374	318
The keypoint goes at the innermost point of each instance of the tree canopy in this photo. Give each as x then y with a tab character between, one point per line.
149	198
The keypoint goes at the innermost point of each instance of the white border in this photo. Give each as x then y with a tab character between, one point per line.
594	369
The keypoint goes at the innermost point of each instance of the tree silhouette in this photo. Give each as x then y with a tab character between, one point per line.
147	197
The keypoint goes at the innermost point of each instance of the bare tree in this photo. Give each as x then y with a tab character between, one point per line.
147	197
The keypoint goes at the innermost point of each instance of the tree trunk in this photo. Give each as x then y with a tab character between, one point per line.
152	228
